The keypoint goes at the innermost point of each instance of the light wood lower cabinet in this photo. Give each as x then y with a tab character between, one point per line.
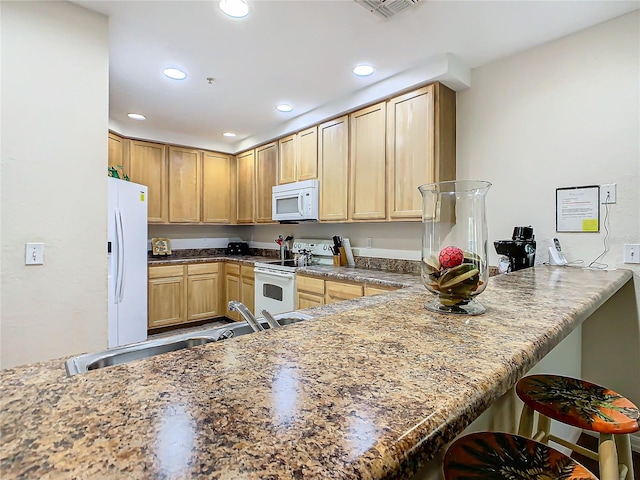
203	291
167	291
377	289
309	292
338	291
232	288
247	287
313	292
183	293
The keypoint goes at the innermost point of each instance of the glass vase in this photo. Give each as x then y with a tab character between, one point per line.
454	245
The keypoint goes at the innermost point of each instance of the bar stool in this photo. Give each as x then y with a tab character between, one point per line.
496	455
583	405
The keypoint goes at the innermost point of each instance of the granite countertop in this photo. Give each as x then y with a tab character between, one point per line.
372	389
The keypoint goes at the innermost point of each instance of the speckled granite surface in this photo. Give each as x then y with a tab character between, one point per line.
369	390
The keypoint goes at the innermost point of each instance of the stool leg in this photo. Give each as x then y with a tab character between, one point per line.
608	457
544	427
623	446
525	428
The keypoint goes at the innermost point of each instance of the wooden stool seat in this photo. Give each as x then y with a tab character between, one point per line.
579	403
495	455
586	406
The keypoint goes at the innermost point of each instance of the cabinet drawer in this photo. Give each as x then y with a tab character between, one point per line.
309	284
377	289
342	290
199	268
166	271
232	269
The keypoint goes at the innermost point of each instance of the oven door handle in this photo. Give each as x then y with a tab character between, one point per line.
290	276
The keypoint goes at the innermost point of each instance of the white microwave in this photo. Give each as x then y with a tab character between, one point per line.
296	202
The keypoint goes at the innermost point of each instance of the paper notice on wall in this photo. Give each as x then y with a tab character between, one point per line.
578	209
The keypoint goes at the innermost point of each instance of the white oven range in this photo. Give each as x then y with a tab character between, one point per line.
275	281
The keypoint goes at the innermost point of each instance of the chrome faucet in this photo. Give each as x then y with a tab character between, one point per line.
241	308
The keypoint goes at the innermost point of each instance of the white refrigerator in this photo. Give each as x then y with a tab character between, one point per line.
127	259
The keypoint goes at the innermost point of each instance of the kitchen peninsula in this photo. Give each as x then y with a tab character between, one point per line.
372	388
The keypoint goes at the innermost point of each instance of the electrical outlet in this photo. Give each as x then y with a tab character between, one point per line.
369	242
632	253
608	193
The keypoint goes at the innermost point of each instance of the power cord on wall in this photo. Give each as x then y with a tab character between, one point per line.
595	264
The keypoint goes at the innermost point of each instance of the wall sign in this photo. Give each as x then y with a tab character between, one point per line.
578	209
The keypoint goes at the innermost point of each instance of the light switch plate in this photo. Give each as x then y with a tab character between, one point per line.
632	253
34	254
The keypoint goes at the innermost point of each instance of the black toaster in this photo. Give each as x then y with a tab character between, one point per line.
237	248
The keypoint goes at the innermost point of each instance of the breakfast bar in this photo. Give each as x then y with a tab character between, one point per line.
371	388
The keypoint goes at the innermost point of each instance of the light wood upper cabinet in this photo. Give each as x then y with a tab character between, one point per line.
148	166
184	185
266	178
118	154
333	159
420	147
287	171
367	187
246	186
308	154
298	156
218	192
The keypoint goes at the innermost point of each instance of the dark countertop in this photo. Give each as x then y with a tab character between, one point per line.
372	389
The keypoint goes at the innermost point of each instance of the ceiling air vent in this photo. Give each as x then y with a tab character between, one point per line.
386	8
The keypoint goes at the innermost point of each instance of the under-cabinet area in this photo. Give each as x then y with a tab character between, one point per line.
191	292
369	164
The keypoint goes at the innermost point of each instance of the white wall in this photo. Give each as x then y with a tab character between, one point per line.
55	98
565	114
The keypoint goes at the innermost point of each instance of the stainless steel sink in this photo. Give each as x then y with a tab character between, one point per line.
150	348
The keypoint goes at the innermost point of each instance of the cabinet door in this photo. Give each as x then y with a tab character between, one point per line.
367	190
266	177
217	191
308	300
166	301
333	153
118	155
338	291
246	187
411	151
202	296
287	160
232	292
148	166
184	185
248	293
308	154
377	289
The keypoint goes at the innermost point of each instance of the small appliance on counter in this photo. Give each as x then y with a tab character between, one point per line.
237	248
520	251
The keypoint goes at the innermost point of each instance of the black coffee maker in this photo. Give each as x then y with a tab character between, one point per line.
520	250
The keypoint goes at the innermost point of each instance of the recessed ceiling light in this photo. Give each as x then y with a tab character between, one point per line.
136	116
229	134
363	70
174	73
234	8
284	108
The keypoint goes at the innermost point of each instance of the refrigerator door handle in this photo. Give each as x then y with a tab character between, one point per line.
120	271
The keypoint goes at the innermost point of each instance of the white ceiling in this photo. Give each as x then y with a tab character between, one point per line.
302	53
